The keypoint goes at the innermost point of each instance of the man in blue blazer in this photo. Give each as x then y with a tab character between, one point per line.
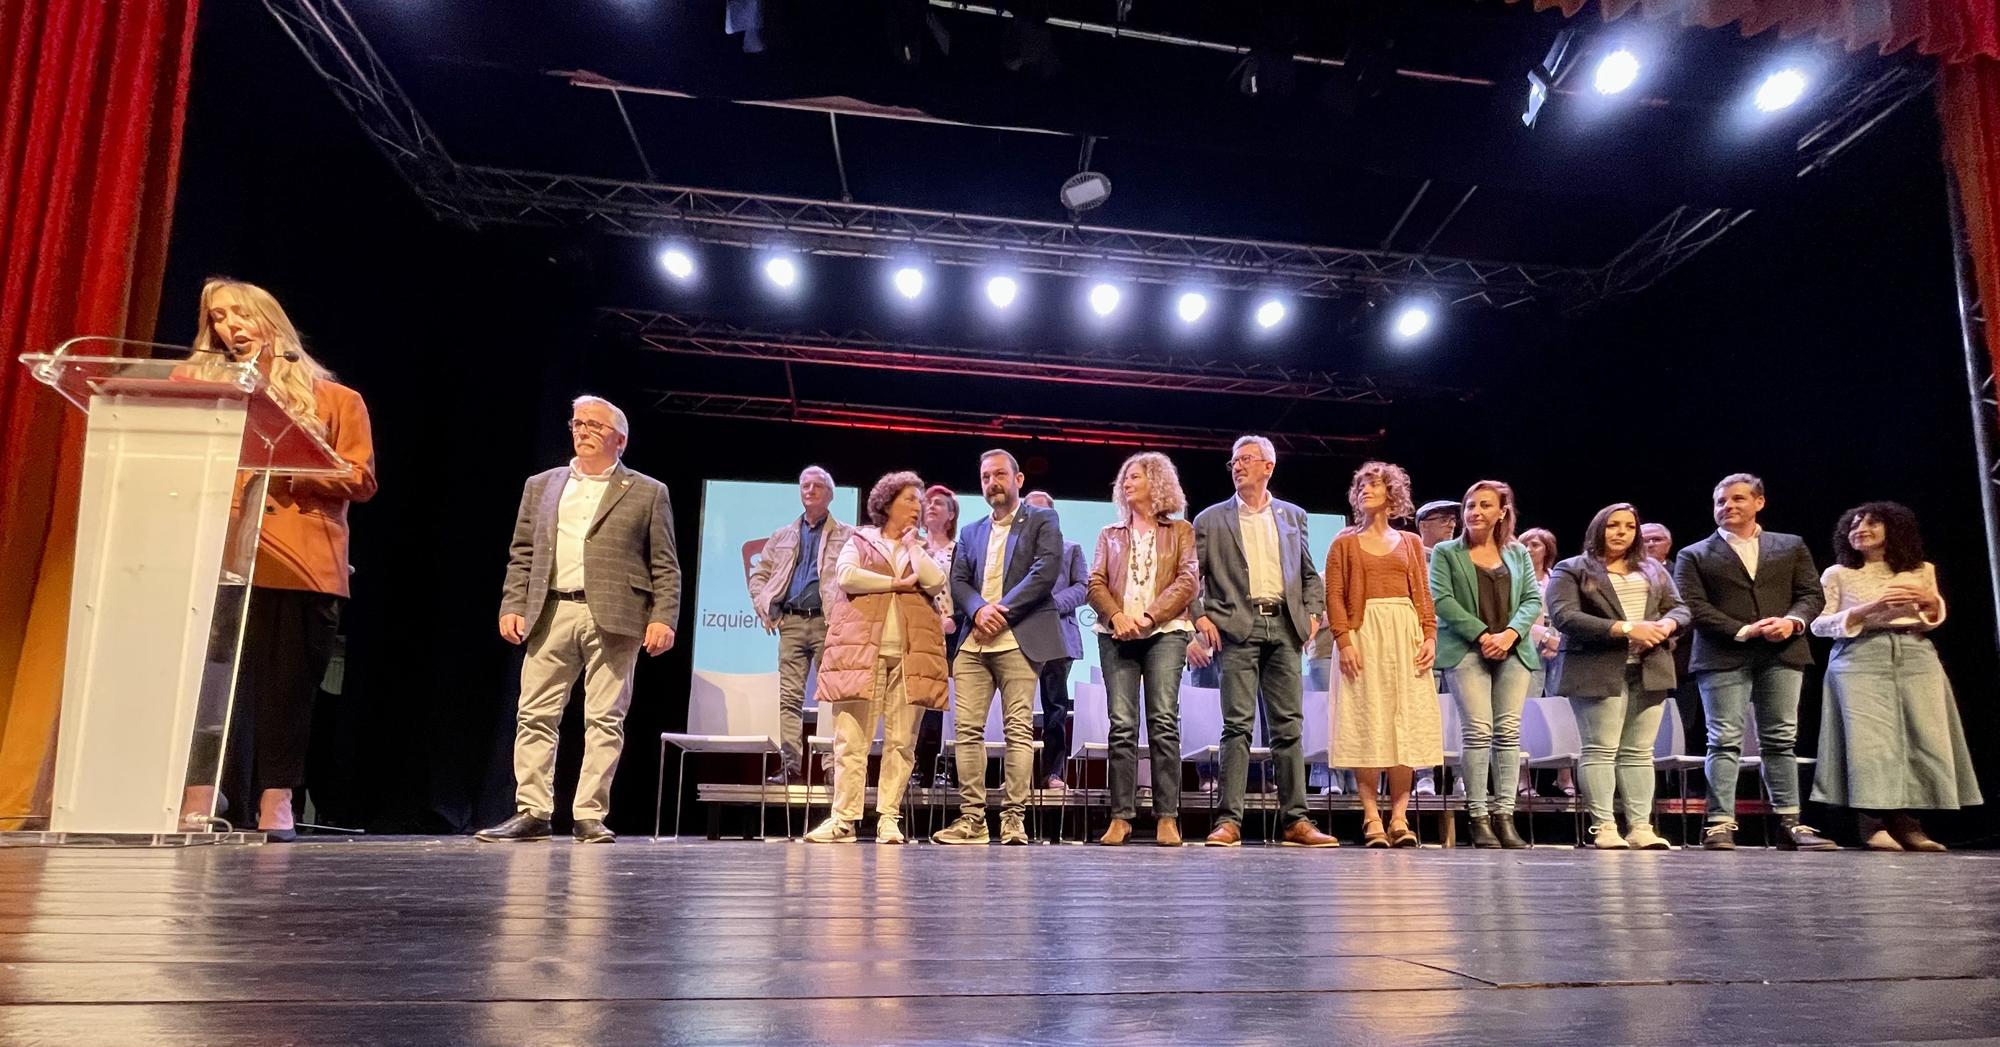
1003	575
1751	593
1071	592
1260	604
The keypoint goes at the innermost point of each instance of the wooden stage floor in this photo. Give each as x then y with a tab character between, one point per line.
448	941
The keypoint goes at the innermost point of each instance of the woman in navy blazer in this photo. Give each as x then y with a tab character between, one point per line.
1488	600
1618	612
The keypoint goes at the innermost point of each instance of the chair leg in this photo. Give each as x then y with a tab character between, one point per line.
763	788
680	782
660	791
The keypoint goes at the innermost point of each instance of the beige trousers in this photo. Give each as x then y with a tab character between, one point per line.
567	644
854	725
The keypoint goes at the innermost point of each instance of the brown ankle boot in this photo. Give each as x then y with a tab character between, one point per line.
1168	832
1116	834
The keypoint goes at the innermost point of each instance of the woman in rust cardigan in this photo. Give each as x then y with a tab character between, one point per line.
300	581
1144	578
1378	606
884	658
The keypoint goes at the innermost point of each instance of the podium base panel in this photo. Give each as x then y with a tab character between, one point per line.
87	839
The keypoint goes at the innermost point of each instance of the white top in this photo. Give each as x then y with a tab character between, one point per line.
581	494
1631	589
857	580
1745	548
991	587
1850	587
1142	571
1260	550
942	557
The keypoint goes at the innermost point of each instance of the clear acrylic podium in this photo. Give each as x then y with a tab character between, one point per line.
177	455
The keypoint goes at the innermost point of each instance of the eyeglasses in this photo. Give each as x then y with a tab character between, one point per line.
1245	459
591	425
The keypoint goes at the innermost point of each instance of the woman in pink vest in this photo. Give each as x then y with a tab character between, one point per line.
884	657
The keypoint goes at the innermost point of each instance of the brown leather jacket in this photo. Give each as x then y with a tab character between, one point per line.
1176	578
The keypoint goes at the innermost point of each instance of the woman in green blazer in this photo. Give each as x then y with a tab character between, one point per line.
1488	600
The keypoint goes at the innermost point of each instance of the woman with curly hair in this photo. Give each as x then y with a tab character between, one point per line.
1890	741
1378	605
884	657
1146	576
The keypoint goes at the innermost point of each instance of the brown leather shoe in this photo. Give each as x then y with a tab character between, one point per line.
1303	833
1168	832
1228	834
1116	834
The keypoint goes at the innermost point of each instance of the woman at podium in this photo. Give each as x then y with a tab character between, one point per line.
300	578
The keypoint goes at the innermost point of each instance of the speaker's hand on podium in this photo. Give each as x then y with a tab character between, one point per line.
513	628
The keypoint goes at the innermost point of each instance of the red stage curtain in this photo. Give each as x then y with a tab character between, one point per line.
1954	30
1969	109
94	95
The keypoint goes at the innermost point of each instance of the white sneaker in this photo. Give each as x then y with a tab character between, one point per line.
833	830
889	829
1642	837
1426	787
1605	837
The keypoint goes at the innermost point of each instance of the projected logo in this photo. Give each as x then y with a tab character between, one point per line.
752	552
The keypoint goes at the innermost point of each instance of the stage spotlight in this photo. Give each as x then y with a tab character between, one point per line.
1104	299
1780	90
1412	319
1616	72
1270	314
1001	291
782	271
678	263
1191	306
909	281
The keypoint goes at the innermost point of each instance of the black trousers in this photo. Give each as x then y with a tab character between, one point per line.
930	729
287	642
1055	717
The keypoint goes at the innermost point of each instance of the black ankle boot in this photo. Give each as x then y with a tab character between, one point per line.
1503	827
1482	833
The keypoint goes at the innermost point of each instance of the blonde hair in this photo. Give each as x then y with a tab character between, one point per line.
292	381
1400	506
1162	479
1503	530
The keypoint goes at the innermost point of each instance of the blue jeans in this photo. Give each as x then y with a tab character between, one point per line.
1618	733
1727	696
1156	662
1490	695
1267	662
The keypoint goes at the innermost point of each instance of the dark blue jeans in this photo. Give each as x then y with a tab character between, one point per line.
1267	661
1055	692
1156	663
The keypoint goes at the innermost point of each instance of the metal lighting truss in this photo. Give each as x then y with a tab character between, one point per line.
1005	426
335	47
667	333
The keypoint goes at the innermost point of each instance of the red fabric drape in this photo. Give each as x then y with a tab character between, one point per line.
1969	110
1954	30
95	93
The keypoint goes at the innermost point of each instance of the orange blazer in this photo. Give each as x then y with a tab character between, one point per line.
1347	584
304	543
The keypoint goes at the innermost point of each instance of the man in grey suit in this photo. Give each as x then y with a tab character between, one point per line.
1071	592
592	578
1751	593
1003	572
1260	605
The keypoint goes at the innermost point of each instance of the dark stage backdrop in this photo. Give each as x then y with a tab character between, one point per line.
1816	345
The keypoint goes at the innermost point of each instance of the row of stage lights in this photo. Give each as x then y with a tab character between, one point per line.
1409	320
1778	91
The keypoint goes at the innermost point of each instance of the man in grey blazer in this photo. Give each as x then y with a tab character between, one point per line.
1003	573
1260	605
592	578
1752	593
1072	590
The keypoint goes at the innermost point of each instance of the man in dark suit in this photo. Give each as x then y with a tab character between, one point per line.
1072	589
1259	607
1751	593
592	579
1003	573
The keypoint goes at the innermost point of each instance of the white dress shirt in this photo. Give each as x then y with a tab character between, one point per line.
992	586
582	493
1260	550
